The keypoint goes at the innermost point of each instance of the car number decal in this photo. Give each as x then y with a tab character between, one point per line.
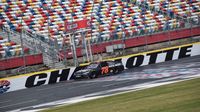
104	70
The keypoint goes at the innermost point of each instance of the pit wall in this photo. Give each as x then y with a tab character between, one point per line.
131	61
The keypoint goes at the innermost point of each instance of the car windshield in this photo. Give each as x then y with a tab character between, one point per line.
92	65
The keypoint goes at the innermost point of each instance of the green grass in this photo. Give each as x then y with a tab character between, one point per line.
178	97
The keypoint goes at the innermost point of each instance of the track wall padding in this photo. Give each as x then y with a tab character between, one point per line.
129	62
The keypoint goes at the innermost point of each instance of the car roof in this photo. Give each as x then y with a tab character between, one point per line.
98	62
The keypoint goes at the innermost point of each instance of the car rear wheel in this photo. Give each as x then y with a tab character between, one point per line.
116	71
92	76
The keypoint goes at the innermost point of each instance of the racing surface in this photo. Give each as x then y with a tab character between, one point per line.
45	96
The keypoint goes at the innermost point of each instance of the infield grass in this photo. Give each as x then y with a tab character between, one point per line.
179	97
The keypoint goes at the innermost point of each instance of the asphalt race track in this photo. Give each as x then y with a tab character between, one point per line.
45	96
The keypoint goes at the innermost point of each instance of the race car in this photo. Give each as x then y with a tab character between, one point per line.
97	69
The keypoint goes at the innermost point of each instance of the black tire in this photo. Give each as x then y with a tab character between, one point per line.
116	71
92	76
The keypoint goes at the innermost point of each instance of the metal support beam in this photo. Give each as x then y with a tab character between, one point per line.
22	45
73	49
90	51
85	46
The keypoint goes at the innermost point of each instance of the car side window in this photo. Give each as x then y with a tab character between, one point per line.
111	64
118	63
103	64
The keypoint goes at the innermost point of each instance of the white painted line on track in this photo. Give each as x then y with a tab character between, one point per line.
5	101
50	87
84	85
32	110
19	110
65	85
5	106
117	83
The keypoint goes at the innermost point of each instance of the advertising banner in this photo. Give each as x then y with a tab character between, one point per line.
77	25
129	62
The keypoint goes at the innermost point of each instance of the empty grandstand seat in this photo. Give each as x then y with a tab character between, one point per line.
47	18
10	49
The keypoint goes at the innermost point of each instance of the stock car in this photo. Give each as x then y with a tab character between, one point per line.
97	69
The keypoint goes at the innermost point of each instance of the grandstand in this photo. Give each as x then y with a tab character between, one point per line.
39	25
10	49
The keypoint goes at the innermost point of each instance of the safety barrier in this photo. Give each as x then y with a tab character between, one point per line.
149	39
19	61
130	61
